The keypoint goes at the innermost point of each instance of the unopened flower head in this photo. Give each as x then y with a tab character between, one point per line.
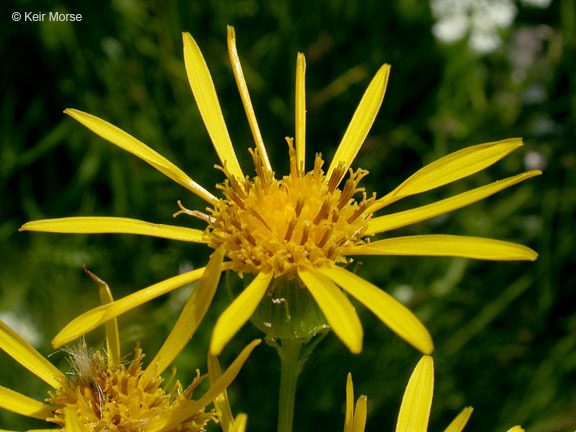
302	227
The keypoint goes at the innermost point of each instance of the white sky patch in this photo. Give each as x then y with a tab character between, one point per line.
23	326
543	4
481	20
534	160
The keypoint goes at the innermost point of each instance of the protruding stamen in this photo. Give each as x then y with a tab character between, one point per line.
237	187
194	384
292	156
337	174
361	208
265	175
237	200
233	180
350	187
318	163
195	213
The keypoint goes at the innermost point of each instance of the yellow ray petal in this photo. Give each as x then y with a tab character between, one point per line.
458	424
34	430
229	375
102	314
516	429
337	309
417	400
300	133
190	408
240	311
408	217
349	416
27	356
450	168
23	405
360	125
207	100
114	225
447	245
360	414
43	430
392	313
127	142
221	402
245	96
239	424
72	421
112	335
192	314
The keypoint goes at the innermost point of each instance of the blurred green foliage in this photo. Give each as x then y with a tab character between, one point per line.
505	332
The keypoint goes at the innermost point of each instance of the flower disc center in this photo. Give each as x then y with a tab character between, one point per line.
267	224
121	398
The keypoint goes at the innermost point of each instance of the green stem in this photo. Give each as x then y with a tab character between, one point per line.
290	367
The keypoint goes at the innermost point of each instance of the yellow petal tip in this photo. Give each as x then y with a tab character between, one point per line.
429	349
59	342
28	226
187	38
356	348
215	348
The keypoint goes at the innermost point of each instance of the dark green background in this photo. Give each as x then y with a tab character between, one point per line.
505	332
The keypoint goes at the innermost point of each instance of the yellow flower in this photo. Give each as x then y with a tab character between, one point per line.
415	407
228	422
104	393
414	410
302	227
